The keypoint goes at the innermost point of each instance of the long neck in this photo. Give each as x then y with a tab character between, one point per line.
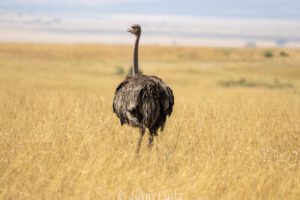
135	69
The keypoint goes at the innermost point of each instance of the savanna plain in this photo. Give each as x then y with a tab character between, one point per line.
234	132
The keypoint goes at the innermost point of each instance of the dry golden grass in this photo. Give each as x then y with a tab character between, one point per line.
60	140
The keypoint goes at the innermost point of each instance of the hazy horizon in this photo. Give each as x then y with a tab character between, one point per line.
232	23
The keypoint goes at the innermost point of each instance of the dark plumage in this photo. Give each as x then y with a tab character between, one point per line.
143	101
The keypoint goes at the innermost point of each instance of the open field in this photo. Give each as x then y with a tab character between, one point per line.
234	133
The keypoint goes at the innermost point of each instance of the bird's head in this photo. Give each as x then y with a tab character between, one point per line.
135	29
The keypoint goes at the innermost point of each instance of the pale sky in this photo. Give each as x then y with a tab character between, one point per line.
212	8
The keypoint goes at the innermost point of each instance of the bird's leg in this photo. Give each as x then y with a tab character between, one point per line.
150	141
142	133
157	143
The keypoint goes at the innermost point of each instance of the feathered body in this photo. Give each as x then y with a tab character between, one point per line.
143	101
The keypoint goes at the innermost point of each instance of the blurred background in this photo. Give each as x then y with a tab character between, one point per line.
235	23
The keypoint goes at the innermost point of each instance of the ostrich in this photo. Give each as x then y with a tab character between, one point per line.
143	101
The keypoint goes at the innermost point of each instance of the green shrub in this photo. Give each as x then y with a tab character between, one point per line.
268	54
284	54
119	70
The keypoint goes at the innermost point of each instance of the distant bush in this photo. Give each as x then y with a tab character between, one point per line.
119	70
284	54
276	84
268	54
226	52
241	82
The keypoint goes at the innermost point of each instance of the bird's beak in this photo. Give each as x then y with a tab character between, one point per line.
130	30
